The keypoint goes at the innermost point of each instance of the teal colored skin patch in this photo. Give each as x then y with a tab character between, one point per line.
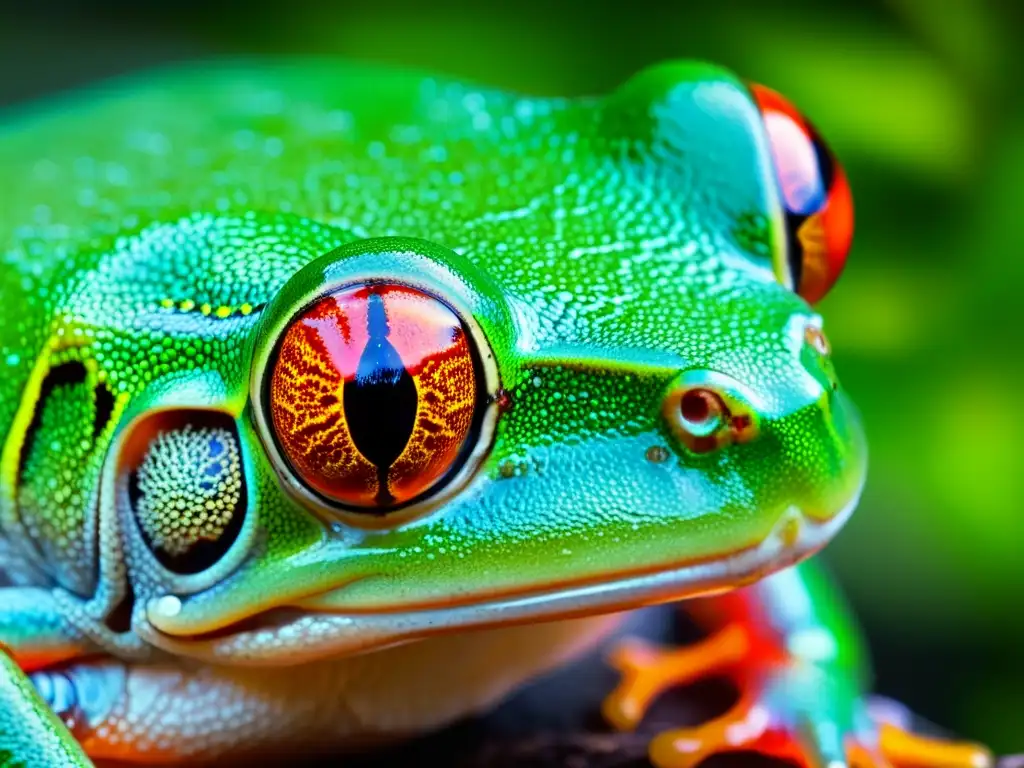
658	420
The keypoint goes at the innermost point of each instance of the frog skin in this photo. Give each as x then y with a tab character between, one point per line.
337	401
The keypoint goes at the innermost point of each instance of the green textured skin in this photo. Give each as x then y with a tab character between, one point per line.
156	230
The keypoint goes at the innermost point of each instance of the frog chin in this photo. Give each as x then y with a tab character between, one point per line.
301	633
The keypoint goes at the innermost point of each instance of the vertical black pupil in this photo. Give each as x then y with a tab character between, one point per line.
380	403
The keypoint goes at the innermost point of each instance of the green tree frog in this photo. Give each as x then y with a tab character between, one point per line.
337	401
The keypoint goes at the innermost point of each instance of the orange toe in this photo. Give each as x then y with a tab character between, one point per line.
647	671
742	727
909	750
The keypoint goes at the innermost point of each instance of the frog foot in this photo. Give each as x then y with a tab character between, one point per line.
787	708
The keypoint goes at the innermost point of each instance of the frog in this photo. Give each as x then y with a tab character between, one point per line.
340	400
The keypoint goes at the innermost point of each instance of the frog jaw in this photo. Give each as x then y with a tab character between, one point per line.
579	526
300	635
332	601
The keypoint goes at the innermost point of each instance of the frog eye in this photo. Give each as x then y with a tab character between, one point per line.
375	396
815	194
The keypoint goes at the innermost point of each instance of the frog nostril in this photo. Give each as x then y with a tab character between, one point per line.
706	411
817	339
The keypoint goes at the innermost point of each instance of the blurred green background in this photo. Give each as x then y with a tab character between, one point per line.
921	100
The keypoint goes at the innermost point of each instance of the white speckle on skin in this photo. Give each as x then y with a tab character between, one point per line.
168	606
814	644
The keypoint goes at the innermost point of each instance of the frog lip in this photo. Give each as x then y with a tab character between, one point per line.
294	635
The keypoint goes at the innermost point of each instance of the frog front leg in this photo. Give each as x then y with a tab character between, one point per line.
31	734
33	636
793	653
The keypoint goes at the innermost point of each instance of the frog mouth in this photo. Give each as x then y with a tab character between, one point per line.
305	632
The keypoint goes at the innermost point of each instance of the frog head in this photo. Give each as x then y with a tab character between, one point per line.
591	378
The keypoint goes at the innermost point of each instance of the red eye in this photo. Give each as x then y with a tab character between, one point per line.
374	395
815	193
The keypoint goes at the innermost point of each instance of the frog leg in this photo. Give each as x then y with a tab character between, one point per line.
31	734
792	650
34	636
56	684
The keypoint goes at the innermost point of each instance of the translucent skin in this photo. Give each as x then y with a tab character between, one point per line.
158	236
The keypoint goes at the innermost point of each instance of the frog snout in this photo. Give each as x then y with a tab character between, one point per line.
707	410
